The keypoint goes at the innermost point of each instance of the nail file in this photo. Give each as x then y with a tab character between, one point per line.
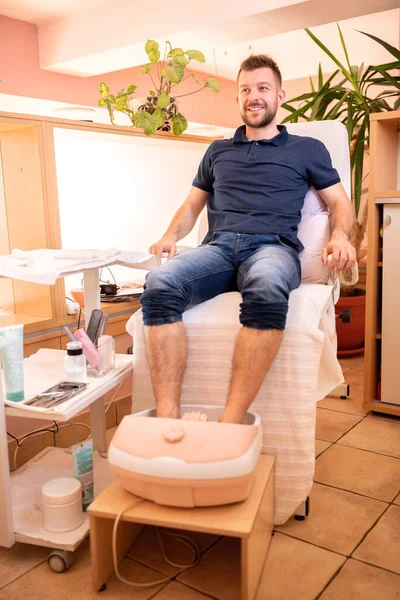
93	325
102	327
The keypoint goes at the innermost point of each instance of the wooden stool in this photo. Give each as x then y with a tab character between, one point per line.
251	521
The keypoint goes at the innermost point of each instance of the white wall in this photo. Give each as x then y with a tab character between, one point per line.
121	191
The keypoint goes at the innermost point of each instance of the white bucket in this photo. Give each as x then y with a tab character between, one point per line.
62	504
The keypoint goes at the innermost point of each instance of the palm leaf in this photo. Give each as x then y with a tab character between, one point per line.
329	53
344	46
394	51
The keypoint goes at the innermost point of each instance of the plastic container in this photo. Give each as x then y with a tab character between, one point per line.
62	504
12	359
75	363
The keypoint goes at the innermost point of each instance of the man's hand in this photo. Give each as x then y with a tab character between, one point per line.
343	253
166	244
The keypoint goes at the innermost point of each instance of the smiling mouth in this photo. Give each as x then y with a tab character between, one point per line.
255	108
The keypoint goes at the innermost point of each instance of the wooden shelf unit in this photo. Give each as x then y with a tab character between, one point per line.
30	219
382	339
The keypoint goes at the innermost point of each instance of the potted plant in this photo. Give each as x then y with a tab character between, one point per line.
158	111
346	96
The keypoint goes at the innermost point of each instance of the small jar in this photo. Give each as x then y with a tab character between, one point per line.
62	504
75	363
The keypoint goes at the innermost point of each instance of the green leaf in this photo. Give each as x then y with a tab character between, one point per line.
102	102
131	89
179	124
394	51
344	47
146	68
163	100
145	121
174	72
182	60
159	116
396	105
152	50
196	55
104	89
152	93
312	85
175	52
329	53
320	77
212	83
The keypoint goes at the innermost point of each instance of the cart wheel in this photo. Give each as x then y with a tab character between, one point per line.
60	560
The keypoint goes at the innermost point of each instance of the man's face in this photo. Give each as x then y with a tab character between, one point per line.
259	96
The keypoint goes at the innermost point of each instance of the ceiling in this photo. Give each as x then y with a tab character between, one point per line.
92	37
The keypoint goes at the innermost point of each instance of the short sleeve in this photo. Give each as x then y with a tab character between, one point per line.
320	172
204	178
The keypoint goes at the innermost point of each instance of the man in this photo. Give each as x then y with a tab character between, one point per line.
254	187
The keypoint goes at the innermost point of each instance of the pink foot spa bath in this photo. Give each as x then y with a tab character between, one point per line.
194	461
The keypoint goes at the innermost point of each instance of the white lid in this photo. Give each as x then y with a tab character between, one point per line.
62	490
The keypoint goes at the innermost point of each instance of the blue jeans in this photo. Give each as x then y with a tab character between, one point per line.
261	267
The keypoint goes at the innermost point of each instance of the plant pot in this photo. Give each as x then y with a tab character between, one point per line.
351	335
149	104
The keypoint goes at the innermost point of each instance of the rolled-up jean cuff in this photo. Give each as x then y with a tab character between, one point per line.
265	317
150	322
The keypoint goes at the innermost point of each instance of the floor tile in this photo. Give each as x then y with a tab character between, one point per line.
357	581
384	417
350	405
218	572
338	520
76	583
147	550
359	366
350	363
320	446
331	425
375	435
177	591
359	471
296	570
18	560
355	379
381	547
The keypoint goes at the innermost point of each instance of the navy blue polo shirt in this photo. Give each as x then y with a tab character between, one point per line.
258	186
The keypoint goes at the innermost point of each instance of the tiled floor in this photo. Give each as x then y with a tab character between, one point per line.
347	549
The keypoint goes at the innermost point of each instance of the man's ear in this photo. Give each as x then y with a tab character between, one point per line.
281	97
237	100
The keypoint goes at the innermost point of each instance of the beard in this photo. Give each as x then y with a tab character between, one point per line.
258	120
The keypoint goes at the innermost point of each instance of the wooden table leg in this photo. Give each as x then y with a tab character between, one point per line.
255	547
101	547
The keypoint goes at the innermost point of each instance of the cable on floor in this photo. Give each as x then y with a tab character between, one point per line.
184	539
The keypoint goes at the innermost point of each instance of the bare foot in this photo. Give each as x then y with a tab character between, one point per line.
168	411
230	416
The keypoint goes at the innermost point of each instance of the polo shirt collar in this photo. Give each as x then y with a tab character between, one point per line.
279	140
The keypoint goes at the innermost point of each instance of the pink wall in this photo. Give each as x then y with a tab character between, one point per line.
22	76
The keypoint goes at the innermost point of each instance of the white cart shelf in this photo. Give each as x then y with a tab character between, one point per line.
46	266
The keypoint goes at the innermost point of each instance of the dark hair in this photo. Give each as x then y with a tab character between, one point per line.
260	61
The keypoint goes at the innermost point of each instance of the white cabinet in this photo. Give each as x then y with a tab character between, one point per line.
391	304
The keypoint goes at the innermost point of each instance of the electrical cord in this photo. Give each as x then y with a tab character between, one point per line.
184	539
57	429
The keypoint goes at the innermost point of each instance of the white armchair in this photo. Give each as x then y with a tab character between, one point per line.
305	369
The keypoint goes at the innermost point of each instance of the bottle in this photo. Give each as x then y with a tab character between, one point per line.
75	363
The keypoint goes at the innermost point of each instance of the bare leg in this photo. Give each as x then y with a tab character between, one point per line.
254	352
166	353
